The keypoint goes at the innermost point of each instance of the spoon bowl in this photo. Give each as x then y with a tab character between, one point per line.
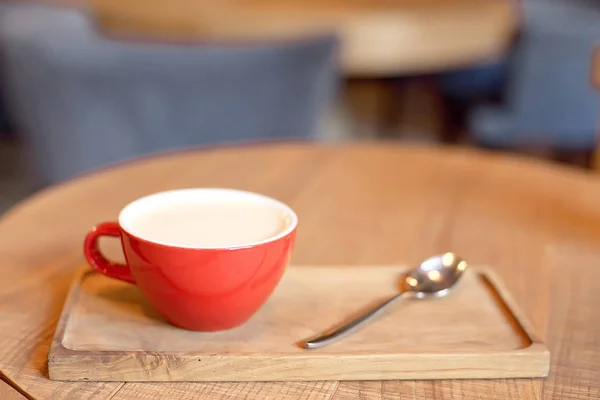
434	277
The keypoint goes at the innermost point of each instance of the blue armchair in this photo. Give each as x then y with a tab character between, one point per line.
82	101
551	102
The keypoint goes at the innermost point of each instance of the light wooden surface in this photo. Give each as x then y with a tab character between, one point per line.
536	225
108	332
8	393
378	37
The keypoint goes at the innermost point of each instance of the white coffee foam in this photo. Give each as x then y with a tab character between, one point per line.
144	208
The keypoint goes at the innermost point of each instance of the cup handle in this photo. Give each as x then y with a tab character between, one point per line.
97	260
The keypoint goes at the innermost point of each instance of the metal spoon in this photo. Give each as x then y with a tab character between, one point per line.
433	278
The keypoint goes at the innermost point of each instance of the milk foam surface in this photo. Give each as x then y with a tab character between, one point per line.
209	224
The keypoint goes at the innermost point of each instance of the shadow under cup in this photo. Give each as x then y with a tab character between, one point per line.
199	287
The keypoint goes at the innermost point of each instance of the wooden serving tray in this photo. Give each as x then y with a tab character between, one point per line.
108	332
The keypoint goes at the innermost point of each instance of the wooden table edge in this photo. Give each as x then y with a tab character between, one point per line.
11	385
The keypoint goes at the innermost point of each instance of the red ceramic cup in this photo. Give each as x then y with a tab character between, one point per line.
197	288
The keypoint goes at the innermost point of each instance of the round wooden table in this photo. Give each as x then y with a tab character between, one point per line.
537	225
378	37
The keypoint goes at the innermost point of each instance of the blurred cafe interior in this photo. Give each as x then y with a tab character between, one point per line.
395	129
90	83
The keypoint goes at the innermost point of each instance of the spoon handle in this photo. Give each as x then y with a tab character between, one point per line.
331	335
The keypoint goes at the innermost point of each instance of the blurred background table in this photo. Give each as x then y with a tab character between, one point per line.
378	37
536	224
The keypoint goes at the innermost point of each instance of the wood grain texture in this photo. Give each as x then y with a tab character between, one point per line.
537	225
378	37
108	332
9	393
